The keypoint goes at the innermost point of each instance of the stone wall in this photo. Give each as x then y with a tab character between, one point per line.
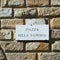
29	12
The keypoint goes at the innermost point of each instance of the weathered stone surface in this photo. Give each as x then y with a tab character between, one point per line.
3	2
55	23
10	23
16	2
55	33
37	46
48	11
5	34
49	56
0	3
21	56
55	2
12	46
35	21
56	45
5	12
2	55
37	2
13	3
25	12
13	34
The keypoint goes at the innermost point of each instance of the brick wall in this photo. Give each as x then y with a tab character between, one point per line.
27	12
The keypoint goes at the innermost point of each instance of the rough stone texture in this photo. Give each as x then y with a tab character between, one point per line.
37	2
48	11
35	21
13	3
25	12
37	46
55	23
13	34
55	34
3	3
48	56
5	12
16	2
20	56
11	23
2	55
55	2
29	12
5	35
12	46
56	45
0	3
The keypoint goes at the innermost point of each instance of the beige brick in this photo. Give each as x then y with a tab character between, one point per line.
48	11
5	12
20	56
55	23
3	2
25	12
55	34
37	2
13	3
5	35
11	23
55	2
37	46
56	45
12	46
49	56
16	2
35	21
13	33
